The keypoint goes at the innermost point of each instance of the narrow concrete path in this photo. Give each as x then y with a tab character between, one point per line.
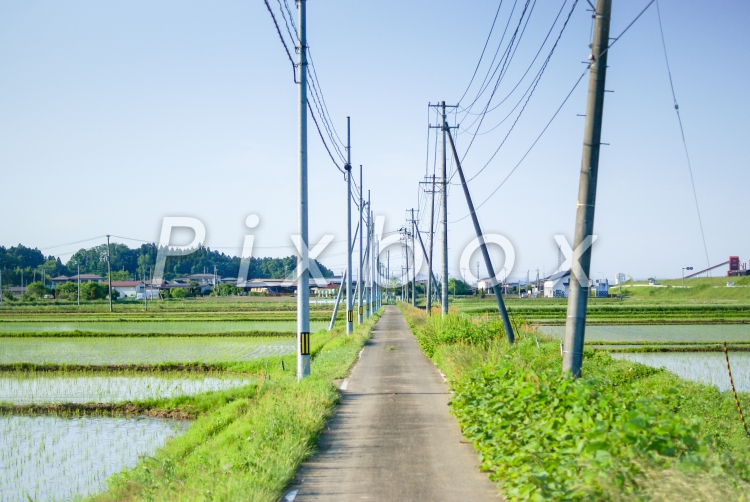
392	437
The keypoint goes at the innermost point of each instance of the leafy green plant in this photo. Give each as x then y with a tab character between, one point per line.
179	293
608	436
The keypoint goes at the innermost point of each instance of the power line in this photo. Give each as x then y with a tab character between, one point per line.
501	74
682	132
72	243
482	55
531	93
281	37
616	39
316	95
520	80
530	148
488	77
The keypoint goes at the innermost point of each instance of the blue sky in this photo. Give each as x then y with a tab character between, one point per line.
113	115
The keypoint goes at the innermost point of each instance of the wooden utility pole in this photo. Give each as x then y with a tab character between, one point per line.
581	262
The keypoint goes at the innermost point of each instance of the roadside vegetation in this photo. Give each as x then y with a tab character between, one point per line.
624	431
227	364
246	443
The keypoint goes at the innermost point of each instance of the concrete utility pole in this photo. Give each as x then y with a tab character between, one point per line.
581	262
109	272
303	281
444	300
361	256
430	283
373	259
405	295
483	247
79	283
414	267
387	273
346	279
348	167
424	252
368	255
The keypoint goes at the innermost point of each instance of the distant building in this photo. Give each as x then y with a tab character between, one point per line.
600	288
129	289
484	285
204	278
556	285
60	279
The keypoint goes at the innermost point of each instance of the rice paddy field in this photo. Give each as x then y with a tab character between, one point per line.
166	327
705	367
48	458
699	333
58	356
42	388
140	350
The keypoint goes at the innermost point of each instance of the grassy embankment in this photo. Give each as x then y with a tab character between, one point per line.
245	444
624	431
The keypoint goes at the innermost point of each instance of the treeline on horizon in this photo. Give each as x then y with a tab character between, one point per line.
137	263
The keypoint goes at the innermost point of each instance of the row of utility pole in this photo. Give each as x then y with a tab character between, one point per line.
367	296
584	227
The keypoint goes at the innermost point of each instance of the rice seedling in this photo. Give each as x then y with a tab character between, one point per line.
139	350
47	458
166	327
34	388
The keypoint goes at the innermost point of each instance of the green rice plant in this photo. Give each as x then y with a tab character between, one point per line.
139	350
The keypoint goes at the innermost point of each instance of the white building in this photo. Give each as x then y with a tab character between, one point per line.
129	289
484	285
556	285
600	288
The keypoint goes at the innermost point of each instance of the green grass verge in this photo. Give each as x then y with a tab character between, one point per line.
245	444
623	432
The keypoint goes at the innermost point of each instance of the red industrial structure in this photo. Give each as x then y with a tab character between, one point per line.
736	268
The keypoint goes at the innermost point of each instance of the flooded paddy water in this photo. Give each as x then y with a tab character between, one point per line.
46	458
33	388
660	333
145	327
705	367
139	350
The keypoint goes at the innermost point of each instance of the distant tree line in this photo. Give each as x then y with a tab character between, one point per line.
137	263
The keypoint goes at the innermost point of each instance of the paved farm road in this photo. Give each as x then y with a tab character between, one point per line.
392	437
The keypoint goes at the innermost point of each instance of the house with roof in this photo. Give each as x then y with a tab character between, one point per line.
60	279
557	285
129	289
